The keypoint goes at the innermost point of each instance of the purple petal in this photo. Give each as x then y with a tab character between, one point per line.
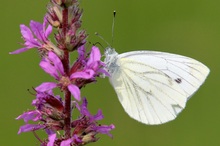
74	91
57	62
51	93
82	52
104	129
49	68
49	131
26	33
104	72
87	74
94	56
37	29
30	41
33	44
30	127
98	116
19	51
84	103
48	30
35	102
66	142
31	115
41	95
76	139
52	139
46	86
84	111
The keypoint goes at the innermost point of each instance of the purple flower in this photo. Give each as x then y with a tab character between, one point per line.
86	127
37	37
85	71
48	114
47	98
94	61
53	66
90	64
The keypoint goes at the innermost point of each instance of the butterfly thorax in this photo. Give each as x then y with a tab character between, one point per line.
110	59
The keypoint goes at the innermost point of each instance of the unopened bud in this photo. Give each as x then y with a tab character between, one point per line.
54	15
90	137
68	3
55	23
58	13
58	2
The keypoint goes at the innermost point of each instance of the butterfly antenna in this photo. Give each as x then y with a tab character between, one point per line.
98	43
31	92
96	33
113	26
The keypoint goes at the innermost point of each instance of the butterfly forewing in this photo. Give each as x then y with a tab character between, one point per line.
153	87
187	72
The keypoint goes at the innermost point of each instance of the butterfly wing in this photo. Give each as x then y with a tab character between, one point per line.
153	87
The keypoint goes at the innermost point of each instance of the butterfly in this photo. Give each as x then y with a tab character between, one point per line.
153	87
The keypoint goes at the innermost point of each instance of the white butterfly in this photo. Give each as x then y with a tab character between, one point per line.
153	87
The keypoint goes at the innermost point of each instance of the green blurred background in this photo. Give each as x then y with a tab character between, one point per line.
187	27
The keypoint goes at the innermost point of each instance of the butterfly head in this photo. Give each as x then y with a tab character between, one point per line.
110	58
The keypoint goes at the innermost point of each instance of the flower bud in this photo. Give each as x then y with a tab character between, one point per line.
68	3
58	2
90	137
54	15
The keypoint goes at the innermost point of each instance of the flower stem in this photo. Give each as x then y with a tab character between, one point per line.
67	93
67	111
64	31
65	21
